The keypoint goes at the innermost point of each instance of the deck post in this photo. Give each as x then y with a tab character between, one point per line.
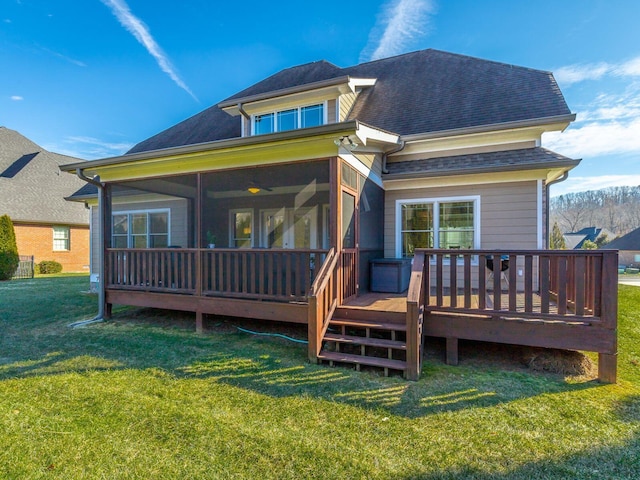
199	322
412	371
312	329
452	351
608	361
607	367
415	309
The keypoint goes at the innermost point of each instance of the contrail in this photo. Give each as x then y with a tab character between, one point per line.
402	22
140	31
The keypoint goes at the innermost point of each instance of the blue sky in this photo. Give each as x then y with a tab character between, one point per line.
91	78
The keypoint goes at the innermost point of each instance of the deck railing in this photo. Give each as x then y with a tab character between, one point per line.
563	285
158	269
323	300
545	298
273	274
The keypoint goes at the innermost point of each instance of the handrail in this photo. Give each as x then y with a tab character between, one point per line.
414	318
321	278
323	300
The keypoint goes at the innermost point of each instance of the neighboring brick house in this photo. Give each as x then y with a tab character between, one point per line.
32	193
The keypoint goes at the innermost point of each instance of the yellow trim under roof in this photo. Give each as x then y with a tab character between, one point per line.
302	144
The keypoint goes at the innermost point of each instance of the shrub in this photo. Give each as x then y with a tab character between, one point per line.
9	259
49	266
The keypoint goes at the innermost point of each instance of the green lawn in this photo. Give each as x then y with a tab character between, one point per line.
144	396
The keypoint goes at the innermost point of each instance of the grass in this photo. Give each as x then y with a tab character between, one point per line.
144	396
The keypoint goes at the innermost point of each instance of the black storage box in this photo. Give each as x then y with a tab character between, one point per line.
390	275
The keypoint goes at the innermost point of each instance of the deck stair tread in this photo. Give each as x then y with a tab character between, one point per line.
368	341
368	324
362	360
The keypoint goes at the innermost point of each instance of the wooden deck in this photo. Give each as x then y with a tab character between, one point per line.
552	299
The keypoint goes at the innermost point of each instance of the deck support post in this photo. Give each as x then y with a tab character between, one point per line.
607	367
452	351
312	330
414	339
199	322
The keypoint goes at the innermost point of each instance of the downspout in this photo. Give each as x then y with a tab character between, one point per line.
243	112
390	152
101	280
547	209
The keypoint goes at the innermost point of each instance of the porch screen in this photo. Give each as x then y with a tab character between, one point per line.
442	224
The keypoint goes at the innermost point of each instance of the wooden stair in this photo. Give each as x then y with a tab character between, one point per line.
371	341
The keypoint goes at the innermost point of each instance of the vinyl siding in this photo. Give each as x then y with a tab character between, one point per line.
346	102
508	213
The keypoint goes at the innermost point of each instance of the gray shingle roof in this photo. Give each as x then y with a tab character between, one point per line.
419	92
630	241
520	159
32	188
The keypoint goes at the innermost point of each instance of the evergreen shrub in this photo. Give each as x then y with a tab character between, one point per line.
9	259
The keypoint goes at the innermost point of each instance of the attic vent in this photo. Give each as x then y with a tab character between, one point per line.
13	169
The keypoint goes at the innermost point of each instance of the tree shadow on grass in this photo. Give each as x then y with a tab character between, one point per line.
276	367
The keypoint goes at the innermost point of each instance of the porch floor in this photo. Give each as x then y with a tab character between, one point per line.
397	302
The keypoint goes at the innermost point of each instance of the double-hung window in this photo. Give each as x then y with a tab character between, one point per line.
290	119
437	223
148	229
61	239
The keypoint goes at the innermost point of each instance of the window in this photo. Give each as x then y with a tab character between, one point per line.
291	119
442	224
241	228
140	229
264	124
60	239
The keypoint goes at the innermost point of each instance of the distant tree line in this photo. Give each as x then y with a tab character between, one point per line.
616	209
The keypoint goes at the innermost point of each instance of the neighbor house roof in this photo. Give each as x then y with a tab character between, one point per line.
32	188
421	92
520	159
575	240
630	241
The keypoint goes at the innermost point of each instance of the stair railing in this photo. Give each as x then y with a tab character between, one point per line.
415	315
323	300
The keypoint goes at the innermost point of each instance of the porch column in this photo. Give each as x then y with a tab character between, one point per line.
199	273
106	213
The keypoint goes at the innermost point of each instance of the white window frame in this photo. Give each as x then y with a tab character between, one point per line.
66	238
436	201
232	226
147	212
299	110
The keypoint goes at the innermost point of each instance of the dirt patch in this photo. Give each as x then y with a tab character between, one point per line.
514	357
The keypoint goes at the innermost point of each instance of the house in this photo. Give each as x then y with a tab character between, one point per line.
311	174
32	193
629	248
575	240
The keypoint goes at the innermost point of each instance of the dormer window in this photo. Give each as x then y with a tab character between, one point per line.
291	119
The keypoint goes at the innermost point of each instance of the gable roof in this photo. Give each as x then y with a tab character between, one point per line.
421	92
32	188
575	240
630	241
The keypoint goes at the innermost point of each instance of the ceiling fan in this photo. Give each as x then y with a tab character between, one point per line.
253	188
